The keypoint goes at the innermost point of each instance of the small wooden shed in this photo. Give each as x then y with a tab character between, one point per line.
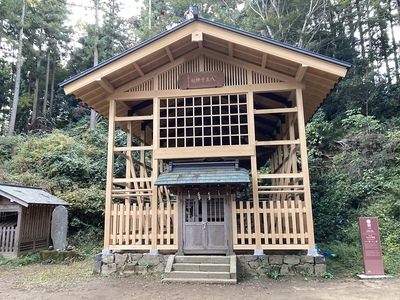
199	93
25	216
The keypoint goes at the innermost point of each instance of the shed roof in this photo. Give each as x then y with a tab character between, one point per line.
117	75
198	173
25	195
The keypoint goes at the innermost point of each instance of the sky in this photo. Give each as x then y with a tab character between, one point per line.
82	10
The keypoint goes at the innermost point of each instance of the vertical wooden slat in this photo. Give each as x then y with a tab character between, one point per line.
293	221
169	223
301	220
286	217
141	219
161	218
148	222
266	218
234	223
249	223
279	227
154	199
242	226
273	220
134	217
175	223
113	229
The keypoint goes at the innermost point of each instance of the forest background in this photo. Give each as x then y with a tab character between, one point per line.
353	139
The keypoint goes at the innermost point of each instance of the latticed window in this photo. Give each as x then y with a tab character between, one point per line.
204	121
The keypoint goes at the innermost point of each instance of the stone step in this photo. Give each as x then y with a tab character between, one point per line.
198	275
199	280
204	267
202	259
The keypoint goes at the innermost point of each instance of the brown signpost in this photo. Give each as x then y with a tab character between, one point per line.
371	245
201	80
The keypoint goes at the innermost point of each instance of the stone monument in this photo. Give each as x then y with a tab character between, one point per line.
59	228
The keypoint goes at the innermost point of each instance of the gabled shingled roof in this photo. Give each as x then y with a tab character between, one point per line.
25	195
318	74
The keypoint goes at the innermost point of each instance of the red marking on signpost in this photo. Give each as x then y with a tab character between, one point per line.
371	245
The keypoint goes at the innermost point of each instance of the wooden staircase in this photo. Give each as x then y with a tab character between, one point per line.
201	269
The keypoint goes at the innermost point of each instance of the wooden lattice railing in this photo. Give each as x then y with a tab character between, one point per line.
281	223
131	226
7	239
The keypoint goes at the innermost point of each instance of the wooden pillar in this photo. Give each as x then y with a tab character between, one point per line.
154	175
256	207
110	172
304	169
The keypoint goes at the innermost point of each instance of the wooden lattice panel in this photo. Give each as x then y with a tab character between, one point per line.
219	120
168	80
146	86
234	75
258	78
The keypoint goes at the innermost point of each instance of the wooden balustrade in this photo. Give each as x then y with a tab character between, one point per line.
7	237
282	223
131	226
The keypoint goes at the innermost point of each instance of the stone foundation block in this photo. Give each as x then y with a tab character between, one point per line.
108	269
307	259
319	259
107	258
291	259
319	269
120	259
275	259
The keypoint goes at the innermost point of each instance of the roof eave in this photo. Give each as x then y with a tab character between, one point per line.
212	23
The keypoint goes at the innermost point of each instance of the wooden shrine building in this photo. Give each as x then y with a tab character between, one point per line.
25	219
206	107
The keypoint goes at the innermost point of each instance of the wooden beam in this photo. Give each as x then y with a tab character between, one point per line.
247	65
301	71
171	58
268	87
230	49
110	171
274	176
105	84
129	58
275	110
277	142
119	153
304	167
197	36
138	68
264	60
201	152
133	148
133	118
272	49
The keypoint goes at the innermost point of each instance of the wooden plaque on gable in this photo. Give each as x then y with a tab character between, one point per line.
201	80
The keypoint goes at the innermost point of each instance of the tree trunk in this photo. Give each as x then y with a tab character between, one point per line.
36	92
394	45
46	89
53	75
360	28
18	75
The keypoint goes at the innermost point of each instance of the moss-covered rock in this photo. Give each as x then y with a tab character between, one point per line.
52	255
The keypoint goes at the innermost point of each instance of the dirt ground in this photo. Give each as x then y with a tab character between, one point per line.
75	281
